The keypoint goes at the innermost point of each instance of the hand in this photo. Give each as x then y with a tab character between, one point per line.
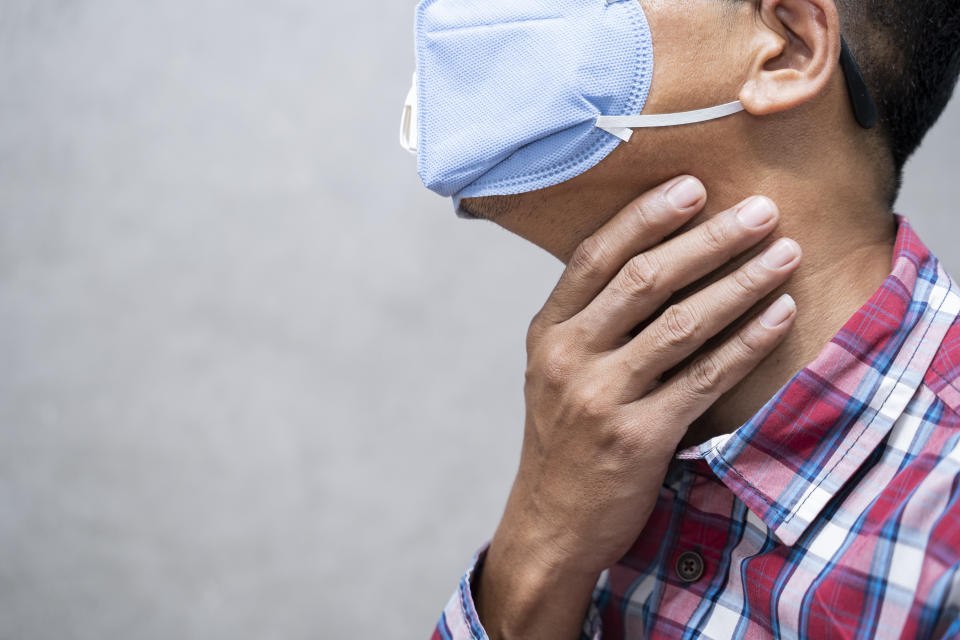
601	428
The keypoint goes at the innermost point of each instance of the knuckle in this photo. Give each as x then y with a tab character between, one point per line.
590	404
705	375
680	325
750	344
623	440
747	280
592	407
640	215
590	256
715	236
640	275
553	365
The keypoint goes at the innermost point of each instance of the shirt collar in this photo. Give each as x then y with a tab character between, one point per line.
795	454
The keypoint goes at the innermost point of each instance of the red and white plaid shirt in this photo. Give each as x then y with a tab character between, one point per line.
833	513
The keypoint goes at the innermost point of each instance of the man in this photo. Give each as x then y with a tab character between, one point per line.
719	441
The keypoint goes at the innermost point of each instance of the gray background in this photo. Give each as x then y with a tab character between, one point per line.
256	382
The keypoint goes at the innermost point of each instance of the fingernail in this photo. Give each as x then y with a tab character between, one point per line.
685	193
779	312
757	212
782	253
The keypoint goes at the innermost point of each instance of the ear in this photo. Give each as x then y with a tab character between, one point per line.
796	50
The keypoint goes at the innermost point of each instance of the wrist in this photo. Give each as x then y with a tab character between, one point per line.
523	592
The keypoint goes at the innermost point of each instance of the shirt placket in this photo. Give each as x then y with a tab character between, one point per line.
700	528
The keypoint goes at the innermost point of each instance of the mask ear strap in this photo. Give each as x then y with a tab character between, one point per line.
864	108
409	133
621	126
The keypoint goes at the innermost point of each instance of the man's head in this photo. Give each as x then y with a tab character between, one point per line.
779	58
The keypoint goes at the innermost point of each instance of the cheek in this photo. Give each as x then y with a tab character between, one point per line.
691	51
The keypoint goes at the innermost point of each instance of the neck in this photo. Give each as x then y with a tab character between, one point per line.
834	207
847	235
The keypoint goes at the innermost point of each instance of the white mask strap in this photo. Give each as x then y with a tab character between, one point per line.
621	126
409	132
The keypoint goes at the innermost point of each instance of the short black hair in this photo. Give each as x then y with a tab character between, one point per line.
909	53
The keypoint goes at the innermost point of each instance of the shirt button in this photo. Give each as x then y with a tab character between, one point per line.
689	566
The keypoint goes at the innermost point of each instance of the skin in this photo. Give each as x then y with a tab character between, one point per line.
651	340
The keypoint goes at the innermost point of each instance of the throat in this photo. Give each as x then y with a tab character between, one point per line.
833	283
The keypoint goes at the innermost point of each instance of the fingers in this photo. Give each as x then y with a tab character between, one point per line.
686	326
688	394
642	224
648	280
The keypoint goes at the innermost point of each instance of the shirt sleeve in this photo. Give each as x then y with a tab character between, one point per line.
460	621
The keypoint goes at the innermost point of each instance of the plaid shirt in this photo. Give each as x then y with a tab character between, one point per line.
833	513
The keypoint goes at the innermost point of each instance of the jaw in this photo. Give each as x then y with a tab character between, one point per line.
558	218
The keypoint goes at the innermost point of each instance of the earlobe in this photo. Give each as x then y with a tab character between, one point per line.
796	49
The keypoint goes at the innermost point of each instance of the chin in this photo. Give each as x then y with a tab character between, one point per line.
491	207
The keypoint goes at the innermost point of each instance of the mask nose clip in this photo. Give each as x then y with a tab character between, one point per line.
408	121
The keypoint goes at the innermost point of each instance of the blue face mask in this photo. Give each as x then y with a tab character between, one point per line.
512	96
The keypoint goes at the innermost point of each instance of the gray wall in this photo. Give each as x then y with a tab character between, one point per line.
256	382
